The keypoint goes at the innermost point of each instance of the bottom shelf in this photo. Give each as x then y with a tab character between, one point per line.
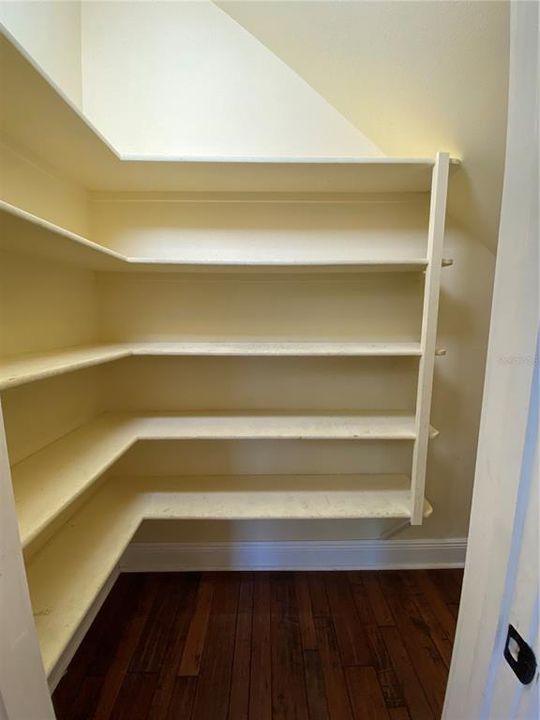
298	497
67	574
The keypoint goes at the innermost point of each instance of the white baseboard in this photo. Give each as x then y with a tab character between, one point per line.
315	555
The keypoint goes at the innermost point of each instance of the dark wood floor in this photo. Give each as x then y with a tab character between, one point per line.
233	646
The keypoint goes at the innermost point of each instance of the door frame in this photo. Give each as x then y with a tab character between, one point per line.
509	396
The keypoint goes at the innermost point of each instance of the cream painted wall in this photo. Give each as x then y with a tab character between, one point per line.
415	77
182	78
50	33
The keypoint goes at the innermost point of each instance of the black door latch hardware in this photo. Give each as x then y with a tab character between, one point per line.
519	656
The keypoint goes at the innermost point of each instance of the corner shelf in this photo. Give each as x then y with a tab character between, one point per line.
23	232
29	234
49	481
65	578
55	131
18	370
22	369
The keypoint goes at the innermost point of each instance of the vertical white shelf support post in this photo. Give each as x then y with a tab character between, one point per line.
437	213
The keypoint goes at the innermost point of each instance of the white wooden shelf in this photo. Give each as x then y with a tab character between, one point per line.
288	348
36	116
65	577
274	426
23	232
49	481
18	370
279	496
67	574
331	264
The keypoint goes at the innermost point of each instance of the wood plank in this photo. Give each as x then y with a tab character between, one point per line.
315	690
21	369
435	239
259	347
129	592
135	696
129	641
260	696
241	672
88	660
456	574
365	693
167	685
288	681
400	713
85	700
194	645
436	602
337	696
213	687
454	611
303	599
415	635
381	611
273	425
351	638
362	604
151	649
436	632
65	577
412	689
449	583
318	594
32	235
345	496
48	481
390	685
182	699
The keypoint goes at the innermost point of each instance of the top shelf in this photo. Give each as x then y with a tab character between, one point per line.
38	117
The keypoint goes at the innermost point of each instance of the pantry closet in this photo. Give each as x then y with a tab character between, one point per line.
187	338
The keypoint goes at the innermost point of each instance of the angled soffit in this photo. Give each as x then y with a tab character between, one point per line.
416	77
